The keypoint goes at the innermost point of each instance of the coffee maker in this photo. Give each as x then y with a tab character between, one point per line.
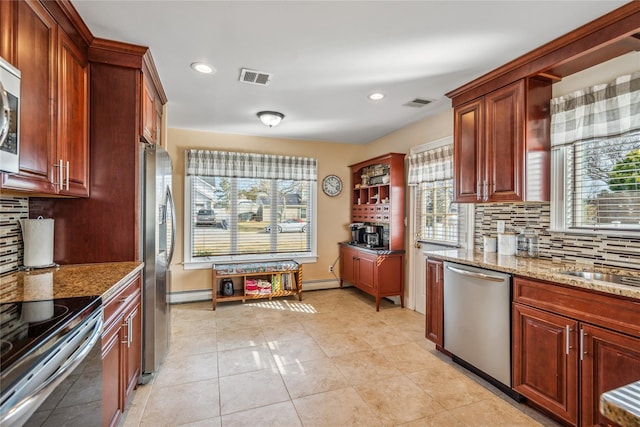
373	236
357	233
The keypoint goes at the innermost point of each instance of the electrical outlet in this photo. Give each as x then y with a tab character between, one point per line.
500	226
331	269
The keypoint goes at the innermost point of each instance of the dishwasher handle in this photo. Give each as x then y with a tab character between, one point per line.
475	275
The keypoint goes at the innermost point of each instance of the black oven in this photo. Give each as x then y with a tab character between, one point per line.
51	365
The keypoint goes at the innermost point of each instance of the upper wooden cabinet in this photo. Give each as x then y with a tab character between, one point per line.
502	144
54	133
153	99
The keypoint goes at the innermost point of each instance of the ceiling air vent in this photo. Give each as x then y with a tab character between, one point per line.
418	102
255	77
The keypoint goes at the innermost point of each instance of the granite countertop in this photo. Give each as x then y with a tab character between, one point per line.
376	251
617	405
542	269
67	281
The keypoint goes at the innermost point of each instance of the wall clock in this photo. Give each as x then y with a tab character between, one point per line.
331	185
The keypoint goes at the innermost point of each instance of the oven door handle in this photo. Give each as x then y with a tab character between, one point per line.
475	275
22	410
5	115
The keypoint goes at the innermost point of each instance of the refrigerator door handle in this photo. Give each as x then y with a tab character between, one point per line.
172	214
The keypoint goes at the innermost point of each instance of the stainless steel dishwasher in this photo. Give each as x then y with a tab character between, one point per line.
477	321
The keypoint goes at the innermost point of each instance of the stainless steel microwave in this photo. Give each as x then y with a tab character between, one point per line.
9	117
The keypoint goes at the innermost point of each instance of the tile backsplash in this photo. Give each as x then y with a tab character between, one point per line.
11	250
597	250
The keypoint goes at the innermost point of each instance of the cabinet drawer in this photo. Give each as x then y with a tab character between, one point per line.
121	299
612	312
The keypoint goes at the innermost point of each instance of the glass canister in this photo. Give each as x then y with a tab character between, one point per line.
532	246
522	244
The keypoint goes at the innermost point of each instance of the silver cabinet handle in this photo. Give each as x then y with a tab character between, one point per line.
67	184
473	274
567	330
582	350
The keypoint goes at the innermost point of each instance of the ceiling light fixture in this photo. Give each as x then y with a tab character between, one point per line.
203	68
270	118
376	96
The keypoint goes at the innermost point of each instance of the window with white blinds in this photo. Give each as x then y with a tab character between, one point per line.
439	219
241	218
603	183
595	138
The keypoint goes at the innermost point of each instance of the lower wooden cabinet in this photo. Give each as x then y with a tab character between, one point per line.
562	361
377	273
434	318
121	350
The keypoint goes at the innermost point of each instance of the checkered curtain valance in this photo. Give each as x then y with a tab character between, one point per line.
431	165
250	165
605	110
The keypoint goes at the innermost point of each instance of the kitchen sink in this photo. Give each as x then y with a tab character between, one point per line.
605	277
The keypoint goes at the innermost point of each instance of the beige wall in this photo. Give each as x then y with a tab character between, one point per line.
333	212
333	158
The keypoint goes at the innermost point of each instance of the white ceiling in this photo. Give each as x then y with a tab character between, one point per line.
327	56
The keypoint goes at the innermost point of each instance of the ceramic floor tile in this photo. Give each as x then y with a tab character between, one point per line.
251	390
364	366
209	422
316	376
450	388
240	360
408	357
290	331
343	407
442	419
181	404
492	412
241	337
288	352
278	415
397	400
342	343
384	336
188	369
181	346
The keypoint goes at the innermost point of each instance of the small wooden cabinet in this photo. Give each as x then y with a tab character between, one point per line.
434	327
378	273
256	280
502	144
572	345
151	123
54	100
121	349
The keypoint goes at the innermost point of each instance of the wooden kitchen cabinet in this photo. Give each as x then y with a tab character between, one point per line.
121	349
502	144
379	274
54	132
151	124
434	319
570	346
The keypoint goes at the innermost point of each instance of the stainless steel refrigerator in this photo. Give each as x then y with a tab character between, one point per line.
158	241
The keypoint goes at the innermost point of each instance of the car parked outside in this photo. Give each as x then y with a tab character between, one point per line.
208	217
289	226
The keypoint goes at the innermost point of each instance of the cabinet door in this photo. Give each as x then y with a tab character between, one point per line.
468	153
434	318
133	348
609	360
504	143
545	360
148	112
366	267
72	147
112	402
347	262
35	53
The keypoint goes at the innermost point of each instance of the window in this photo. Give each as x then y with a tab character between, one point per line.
596	157
437	218
239	218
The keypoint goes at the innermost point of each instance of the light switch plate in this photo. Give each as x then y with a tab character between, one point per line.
500	226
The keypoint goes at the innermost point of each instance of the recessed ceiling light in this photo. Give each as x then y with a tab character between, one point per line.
203	68
376	96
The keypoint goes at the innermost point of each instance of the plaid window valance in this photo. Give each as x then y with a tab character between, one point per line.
431	165
605	110
250	165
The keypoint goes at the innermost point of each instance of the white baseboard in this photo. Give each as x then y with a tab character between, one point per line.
205	294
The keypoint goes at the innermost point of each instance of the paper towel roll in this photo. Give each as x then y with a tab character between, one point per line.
37	235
